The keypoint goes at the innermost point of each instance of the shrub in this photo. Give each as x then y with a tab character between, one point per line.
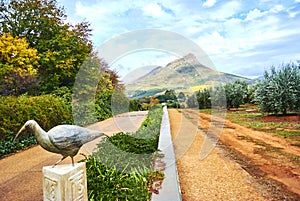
236	93
280	90
121	169
203	98
47	110
134	105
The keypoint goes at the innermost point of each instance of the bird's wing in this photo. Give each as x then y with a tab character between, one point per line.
69	137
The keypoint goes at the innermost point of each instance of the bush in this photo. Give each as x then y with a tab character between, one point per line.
122	167
236	93
203	98
47	110
280	90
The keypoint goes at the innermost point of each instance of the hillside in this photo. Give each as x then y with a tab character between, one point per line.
181	75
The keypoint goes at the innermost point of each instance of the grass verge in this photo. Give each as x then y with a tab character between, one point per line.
122	168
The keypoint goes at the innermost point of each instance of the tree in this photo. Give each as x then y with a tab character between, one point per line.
18	65
251	94
236	93
96	93
192	101
181	97
280	90
134	105
170	96
61	47
203	98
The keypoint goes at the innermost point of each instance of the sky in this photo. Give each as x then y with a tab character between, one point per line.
242	37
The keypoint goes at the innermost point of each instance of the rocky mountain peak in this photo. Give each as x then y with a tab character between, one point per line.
188	60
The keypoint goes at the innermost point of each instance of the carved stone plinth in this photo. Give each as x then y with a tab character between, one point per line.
65	183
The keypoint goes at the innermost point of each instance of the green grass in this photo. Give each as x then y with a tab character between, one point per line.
289	133
208	111
121	169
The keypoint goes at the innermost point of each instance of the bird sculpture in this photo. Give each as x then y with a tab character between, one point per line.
62	139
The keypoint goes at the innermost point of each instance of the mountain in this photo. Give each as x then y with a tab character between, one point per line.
255	80
185	74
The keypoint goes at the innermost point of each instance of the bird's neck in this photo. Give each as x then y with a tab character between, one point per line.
40	135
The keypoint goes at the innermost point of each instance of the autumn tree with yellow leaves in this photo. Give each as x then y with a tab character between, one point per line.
18	65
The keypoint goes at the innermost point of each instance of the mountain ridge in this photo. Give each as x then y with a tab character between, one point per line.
182	74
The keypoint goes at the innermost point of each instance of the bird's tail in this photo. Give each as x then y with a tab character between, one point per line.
97	135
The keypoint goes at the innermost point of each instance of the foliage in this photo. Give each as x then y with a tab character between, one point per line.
280	90
119	103
110	184
181	97
135	105
65	94
168	96
203	99
47	110
103	105
236	93
231	94
122	167
192	101
200	99
218	96
18	65
62	47
93	91
9	146
250	98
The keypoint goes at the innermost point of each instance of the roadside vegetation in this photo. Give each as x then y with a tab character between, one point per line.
122	168
48	110
271	105
40	56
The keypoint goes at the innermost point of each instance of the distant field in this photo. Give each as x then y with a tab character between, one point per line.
200	87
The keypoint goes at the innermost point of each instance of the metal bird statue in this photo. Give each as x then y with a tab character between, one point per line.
62	139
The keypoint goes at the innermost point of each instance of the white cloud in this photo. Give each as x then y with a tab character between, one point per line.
90	12
277	9
153	10
209	3
226	30
254	14
227	10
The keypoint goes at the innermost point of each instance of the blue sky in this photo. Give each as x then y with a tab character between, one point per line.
240	36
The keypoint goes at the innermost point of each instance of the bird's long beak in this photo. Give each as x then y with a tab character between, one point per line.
20	131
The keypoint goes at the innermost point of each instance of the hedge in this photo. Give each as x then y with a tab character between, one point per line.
47	110
122	169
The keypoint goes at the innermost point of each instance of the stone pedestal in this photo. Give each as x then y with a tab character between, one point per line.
65	183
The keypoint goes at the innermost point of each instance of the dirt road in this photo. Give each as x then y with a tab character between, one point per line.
21	173
245	164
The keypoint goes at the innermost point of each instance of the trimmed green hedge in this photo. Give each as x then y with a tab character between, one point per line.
47	110
122	167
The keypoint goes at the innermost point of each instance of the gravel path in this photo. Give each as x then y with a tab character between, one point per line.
21	173
214	178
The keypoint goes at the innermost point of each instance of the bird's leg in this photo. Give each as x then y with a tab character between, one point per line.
72	160
60	160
